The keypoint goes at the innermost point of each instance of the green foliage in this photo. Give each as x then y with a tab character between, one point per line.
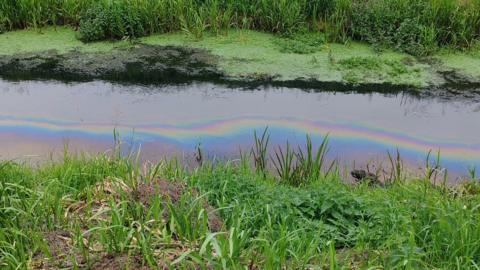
111	20
355	67
303	166
389	23
416	27
325	223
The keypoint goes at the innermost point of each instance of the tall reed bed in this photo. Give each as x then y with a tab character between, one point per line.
414	26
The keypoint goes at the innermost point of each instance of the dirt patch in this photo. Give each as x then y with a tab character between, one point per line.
455	80
171	191
63	255
123	261
60	252
96	209
59	242
167	190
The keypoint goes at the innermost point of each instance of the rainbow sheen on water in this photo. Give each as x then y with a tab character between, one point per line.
174	119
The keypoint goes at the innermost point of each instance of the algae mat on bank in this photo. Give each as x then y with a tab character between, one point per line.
250	55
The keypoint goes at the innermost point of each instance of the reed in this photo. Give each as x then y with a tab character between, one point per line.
260	151
303	166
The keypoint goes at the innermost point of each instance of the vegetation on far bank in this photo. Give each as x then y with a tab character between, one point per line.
412	26
111	212
246	54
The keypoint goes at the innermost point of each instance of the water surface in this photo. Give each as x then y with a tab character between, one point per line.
38	118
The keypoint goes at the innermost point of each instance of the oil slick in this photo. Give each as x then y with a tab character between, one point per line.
31	125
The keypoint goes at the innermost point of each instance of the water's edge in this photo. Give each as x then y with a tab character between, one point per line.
38	117
161	65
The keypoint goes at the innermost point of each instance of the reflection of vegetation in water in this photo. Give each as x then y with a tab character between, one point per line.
416	27
85	212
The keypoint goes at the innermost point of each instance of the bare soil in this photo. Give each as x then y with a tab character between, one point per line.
172	191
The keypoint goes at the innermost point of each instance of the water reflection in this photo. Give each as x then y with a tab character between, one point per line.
38	117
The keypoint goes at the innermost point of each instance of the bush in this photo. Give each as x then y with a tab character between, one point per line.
416	27
110	21
388	23
94	24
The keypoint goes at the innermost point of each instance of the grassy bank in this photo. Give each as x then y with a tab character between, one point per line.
290	210
416	27
108	212
245	54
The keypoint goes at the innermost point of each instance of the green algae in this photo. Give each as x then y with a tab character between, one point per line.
466	63
58	38
357	69
245	55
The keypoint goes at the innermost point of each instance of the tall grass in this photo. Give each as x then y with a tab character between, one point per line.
87	206
415	26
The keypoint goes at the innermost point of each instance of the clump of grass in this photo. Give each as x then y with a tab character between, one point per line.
312	163
298	168
285	164
397	168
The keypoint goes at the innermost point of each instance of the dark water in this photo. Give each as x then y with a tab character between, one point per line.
38	118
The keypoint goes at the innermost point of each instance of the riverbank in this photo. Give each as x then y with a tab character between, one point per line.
237	56
107	212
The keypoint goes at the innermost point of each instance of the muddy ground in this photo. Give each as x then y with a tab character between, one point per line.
141	63
155	64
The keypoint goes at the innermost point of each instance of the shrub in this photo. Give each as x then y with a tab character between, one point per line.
94	24
389	23
113	20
